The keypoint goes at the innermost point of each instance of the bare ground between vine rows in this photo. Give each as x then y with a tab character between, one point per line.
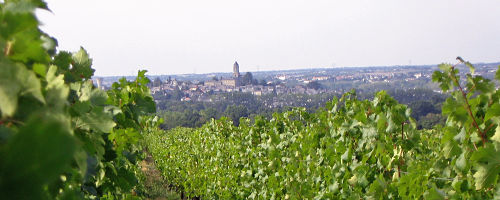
154	184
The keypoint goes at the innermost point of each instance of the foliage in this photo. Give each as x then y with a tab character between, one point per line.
196	113
314	85
294	155
60	137
248	79
351	149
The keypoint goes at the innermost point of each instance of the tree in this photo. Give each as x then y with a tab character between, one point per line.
313	85
263	82
423	108
247	78
430	120
208	113
157	82
177	94
235	113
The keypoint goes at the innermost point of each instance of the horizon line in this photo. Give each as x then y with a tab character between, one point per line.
260	71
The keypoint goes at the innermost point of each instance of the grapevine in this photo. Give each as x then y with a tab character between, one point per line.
352	149
60	137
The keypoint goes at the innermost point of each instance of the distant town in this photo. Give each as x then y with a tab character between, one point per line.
202	87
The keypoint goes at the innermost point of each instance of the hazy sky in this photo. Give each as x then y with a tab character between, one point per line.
201	36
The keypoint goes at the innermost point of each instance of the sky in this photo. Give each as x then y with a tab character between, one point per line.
203	36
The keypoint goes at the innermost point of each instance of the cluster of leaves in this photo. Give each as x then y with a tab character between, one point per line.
470	139
352	149
60	137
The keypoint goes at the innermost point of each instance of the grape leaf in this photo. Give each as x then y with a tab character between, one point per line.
28	47
57	91
487	163
497	193
16	81
81	65
435	194
496	137
63	60
35	156
40	69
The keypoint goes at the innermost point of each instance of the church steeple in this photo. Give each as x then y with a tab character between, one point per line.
236	70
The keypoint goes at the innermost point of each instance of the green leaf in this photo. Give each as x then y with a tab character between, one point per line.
435	194
471	67
123	138
20	7
98	97
57	91
63	60
28	47
461	162
96	119
443	80
31	84
26	6
446	68
34	157
90	108
49	44
81	160
497	193
454	110
9	89
13	23
487	164
81	65
82	90
40	69
16	81
496	137
493	111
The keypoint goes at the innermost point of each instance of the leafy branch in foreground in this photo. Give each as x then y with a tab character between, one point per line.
473	113
60	137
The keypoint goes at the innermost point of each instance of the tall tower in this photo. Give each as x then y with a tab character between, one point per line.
236	70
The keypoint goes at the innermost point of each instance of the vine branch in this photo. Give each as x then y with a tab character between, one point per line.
467	106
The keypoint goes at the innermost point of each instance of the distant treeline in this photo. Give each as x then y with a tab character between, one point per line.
425	105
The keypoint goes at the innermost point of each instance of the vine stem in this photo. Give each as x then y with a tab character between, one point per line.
467	106
8	47
489	127
9	122
401	162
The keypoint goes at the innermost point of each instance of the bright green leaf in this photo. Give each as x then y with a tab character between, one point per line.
15	81
487	163
40	69
34	157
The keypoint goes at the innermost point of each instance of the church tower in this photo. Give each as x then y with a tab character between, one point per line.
236	70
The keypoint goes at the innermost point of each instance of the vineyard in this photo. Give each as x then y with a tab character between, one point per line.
352	149
62	138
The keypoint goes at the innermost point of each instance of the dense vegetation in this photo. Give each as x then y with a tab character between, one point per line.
425	103
352	149
60	137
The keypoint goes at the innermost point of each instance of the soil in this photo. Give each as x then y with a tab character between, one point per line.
155	186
